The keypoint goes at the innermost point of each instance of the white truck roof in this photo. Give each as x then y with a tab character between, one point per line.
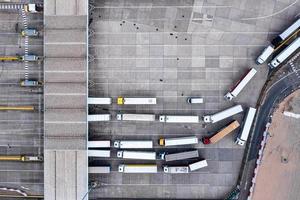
181	141
267	52
98	117
99	170
198	165
99	144
133	144
137	168
137	101
243	136
176	169
99	101
223	114
178	119
241	85
140	155
99	153
136	117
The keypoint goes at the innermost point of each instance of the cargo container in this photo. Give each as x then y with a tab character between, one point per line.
221	134
99	101
133	144
99	170
176	169
139	155
178	119
137	168
99	144
179	156
223	114
98	117
248	121
194	100
240	85
99	153
135	101
198	165
136	117
178	141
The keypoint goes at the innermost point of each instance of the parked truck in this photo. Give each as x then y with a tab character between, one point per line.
99	101
136	117
240	85
139	155
198	165
176	169
222	133
179	156
33	8
178	119
98	117
178	141
137	168
223	114
99	144
31	32
21	158
135	101
99	170
30	83
99	153
248	121
133	144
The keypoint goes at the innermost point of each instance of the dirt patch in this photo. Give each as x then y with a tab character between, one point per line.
279	173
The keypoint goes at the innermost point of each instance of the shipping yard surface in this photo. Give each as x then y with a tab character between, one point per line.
21	131
172	50
278	176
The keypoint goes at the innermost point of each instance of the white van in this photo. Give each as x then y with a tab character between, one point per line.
193	100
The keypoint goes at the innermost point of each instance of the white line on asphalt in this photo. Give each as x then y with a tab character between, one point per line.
65	94
153	6
177	45
184	33
63	71
64	122
149	70
163	83
173	58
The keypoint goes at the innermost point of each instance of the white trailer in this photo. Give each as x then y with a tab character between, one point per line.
198	165
99	153
243	136
223	114
99	101
135	101
267	52
176	170
136	117
179	156
98	118
137	168
133	144
99	170
99	144
240	85
140	155
178	119
282	56
178	141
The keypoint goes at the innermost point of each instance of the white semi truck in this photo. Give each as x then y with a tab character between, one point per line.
178	119
243	136
198	165
136	117
178	141
99	144
133	144
99	170
99	101
179	156
139	155
98	117
176	169
137	168
240	85
223	114
135	101
99	153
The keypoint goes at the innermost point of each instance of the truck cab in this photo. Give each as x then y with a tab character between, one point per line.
33	8
30	83
30	32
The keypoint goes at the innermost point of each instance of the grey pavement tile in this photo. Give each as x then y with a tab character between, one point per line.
212	61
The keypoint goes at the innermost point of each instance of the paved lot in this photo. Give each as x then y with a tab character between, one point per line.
21	132
172	50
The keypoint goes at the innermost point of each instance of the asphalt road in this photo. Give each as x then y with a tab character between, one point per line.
276	93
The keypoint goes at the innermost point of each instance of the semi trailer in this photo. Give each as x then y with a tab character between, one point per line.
137	168
221	134
135	101
240	85
99	170
176	169
30	83
30	32
178	141
136	117
99	144
98	117
99	101
133	144
139	155
22	158
99	153
179	156
178	119
247	124
223	114
198	165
